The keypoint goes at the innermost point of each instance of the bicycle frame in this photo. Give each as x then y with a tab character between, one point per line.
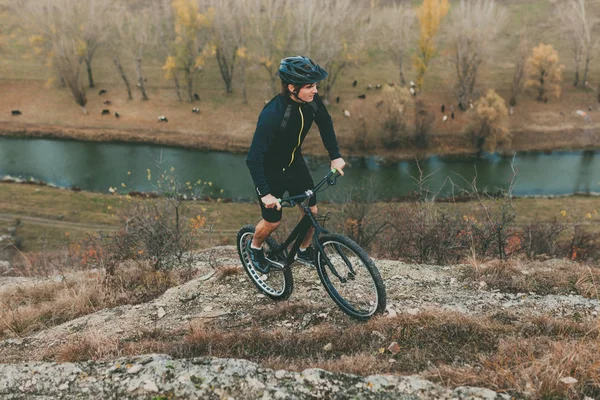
299	232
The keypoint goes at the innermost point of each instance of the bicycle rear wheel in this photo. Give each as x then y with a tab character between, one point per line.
350	277
278	282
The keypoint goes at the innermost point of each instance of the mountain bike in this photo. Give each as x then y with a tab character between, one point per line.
346	271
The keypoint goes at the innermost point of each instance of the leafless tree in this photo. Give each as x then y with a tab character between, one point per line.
142	31
115	45
93	16
393	35
474	25
272	24
231	30
333	33
578	24
519	75
56	25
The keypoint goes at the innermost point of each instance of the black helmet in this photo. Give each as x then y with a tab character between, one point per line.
300	70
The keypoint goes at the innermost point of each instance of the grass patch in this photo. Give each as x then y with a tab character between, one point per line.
28	309
526	357
543	278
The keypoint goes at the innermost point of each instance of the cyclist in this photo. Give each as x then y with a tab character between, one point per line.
275	156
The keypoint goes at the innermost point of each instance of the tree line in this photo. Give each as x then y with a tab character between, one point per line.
184	34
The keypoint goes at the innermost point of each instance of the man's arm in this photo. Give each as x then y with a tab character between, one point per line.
325	124
265	129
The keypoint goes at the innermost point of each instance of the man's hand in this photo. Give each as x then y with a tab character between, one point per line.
270	201
339	165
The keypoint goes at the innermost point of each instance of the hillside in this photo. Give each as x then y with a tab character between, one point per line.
453	327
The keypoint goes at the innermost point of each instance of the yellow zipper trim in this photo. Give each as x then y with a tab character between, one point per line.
299	136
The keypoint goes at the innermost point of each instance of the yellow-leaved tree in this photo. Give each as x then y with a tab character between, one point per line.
430	15
490	123
544	73
193	34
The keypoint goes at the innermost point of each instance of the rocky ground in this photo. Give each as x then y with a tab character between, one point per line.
232	303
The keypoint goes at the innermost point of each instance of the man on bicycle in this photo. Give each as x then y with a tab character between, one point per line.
275	156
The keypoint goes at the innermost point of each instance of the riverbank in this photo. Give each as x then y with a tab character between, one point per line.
227	124
546	139
49	213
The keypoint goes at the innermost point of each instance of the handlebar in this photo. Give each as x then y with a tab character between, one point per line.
330	179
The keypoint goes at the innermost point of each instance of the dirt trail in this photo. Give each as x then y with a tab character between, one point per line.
53	223
233	303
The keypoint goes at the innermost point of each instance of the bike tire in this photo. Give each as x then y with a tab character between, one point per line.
278	283
352	263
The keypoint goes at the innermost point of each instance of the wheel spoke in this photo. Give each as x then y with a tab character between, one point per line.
277	281
351	278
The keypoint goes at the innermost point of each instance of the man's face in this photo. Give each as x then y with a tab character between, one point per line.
307	92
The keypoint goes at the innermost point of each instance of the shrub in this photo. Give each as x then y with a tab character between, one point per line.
157	229
423	122
381	120
544	73
490	123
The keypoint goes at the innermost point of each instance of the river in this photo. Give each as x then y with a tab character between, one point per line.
97	166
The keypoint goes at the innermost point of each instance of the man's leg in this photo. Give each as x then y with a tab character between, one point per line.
262	231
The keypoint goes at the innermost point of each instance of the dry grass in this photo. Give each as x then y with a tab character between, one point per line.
532	368
543	278
525	357
27	309
226	271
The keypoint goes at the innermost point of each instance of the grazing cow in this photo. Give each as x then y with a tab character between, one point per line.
362	96
452	115
470	104
102	91
117	114
16	112
412	91
196	96
354	83
443	108
337	100
412	84
590	108
107	102
392	84
369	86
105	112
378	86
346	113
162	118
196	110
444	118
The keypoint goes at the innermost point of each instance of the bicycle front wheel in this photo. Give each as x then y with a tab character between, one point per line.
350	277
278	283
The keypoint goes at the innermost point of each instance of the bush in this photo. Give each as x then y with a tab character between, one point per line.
381	120
490	123
157	229
423	122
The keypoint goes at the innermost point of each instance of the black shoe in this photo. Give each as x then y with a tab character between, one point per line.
257	256
306	257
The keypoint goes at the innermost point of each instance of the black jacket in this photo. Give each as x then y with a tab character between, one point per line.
274	148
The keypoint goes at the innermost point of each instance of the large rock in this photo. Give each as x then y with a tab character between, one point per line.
155	376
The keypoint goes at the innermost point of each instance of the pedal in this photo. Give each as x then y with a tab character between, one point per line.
307	263
275	265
